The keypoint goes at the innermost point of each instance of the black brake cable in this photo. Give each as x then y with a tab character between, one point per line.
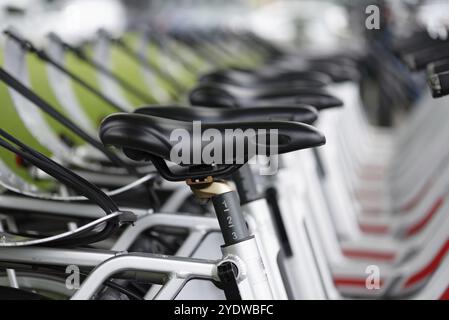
81	238
74	181
79	53
50	110
122	289
41	54
47	164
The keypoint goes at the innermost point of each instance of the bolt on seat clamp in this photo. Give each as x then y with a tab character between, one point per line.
208	188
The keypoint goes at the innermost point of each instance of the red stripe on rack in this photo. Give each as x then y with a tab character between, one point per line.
352	282
418	226
365	254
377	168
374	229
430	268
417	198
369	175
445	295
368	194
372	211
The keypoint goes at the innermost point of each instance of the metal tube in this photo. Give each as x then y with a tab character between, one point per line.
182	268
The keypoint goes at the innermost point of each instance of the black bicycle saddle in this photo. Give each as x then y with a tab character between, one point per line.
304	114
252	79
290	71
150	138
225	96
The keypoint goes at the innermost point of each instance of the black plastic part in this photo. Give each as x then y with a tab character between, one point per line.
246	185
439	84
14	11
188	172
227	272
419	60
230	218
250	79
417	41
301	113
226	96
144	137
438	67
271	195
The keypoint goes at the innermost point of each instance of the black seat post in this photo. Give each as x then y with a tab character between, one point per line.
227	208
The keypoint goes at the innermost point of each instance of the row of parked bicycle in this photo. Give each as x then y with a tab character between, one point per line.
100	210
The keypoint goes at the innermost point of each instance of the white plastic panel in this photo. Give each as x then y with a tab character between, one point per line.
63	89
33	118
155	88
109	87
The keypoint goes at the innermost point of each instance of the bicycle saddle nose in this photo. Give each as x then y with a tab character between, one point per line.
225	95
150	138
304	114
